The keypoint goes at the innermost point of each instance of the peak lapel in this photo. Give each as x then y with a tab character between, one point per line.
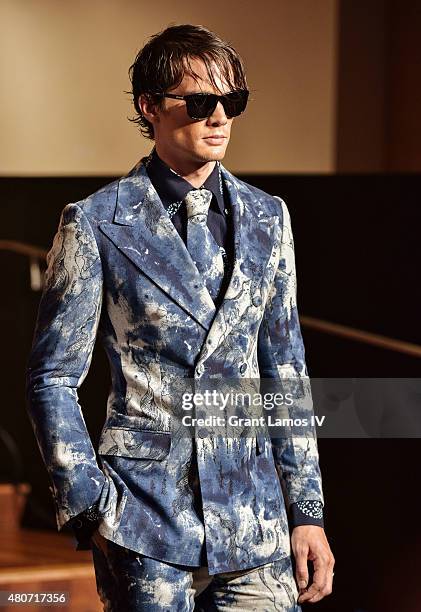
253	242
144	232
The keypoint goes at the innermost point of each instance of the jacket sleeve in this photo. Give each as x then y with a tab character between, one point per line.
59	359
281	358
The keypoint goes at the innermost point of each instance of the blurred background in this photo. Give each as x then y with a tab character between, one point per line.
333	128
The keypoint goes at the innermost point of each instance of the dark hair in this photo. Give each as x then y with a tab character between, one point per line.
161	64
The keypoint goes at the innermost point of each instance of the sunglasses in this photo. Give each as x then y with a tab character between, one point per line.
202	105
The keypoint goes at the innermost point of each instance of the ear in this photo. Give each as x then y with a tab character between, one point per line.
148	108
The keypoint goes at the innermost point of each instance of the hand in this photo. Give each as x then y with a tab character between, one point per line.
100	541
309	543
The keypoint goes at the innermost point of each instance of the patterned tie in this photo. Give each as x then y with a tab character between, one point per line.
201	245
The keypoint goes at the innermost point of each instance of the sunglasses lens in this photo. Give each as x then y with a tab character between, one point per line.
235	103
200	106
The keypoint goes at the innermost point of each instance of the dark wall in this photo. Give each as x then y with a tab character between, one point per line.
357	257
378	86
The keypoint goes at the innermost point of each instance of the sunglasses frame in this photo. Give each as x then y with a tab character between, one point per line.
219	98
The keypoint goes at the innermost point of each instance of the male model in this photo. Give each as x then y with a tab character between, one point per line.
184	273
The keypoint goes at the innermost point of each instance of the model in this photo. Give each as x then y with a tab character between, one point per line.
184	273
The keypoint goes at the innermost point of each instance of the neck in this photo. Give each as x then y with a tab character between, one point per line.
194	172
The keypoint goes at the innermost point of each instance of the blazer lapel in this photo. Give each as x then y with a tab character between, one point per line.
253	243
144	232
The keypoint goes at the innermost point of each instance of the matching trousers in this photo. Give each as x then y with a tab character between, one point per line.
131	582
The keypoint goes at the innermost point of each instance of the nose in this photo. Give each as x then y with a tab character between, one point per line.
218	117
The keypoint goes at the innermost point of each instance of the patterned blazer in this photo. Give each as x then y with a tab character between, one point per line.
119	271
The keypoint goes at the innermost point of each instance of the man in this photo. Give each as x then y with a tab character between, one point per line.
186	275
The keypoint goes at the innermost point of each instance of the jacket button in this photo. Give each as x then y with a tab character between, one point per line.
243	368
200	369
257	300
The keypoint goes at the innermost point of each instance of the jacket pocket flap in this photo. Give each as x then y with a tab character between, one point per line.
137	443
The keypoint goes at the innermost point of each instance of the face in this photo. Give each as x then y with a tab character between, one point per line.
184	142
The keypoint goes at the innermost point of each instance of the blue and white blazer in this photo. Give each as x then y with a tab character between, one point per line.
119	272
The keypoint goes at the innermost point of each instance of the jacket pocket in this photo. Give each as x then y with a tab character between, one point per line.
136	443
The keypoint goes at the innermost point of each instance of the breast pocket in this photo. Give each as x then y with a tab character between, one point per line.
136	443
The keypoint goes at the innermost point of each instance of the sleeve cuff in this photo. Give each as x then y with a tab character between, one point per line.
306	512
84	525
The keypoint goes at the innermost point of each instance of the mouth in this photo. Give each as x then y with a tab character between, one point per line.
216	139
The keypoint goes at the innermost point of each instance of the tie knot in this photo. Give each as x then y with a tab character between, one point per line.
197	202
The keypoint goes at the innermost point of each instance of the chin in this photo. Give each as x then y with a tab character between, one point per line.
215	154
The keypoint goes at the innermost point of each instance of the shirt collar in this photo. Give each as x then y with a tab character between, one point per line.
171	187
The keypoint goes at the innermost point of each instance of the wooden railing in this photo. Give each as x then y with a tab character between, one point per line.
336	329
34	253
